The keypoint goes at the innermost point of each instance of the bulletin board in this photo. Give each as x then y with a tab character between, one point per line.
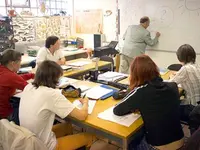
89	21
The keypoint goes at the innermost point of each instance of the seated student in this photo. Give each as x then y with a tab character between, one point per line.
10	62
189	78
39	104
158	103
51	51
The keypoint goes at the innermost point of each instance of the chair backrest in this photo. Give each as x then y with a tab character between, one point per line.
174	67
109	59
15	137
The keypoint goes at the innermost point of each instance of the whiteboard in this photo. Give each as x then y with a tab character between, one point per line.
178	21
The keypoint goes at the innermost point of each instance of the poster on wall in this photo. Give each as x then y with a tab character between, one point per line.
89	21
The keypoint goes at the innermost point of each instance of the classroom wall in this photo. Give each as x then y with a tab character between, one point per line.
162	59
109	26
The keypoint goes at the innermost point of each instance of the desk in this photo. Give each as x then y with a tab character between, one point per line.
69	55
86	68
164	77
121	134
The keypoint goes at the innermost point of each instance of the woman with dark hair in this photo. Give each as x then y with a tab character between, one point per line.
51	51
10	62
41	101
189	79
158	104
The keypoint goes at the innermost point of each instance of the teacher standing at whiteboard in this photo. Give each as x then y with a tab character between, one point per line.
136	38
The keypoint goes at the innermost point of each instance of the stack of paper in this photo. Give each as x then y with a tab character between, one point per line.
91	105
126	120
112	76
97	92
80	63
64	67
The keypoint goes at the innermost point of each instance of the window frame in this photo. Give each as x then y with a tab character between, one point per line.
17	6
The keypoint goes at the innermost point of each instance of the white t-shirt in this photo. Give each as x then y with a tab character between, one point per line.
37	111
45	54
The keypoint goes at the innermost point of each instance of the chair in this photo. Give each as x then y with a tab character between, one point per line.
194	119
15	137
174	67
108	59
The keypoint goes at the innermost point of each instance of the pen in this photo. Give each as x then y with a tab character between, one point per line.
84	95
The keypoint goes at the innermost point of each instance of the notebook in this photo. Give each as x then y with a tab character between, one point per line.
97	92
91	105
100	92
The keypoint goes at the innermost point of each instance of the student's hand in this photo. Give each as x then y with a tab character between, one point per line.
157	34
84	100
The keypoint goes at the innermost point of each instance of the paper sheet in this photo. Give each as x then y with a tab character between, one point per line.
80	63
18	95
83	87
64	81
97	92
91	105
126	120
64	67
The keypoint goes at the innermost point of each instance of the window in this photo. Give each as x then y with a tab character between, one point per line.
51	6
18	3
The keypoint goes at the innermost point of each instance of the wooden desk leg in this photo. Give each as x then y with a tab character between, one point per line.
125	144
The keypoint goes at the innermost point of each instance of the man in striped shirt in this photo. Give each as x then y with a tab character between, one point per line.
189	78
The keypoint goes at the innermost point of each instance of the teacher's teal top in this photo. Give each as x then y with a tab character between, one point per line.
136	38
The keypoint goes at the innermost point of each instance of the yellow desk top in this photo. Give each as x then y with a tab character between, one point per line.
85	67
164	77
107	126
